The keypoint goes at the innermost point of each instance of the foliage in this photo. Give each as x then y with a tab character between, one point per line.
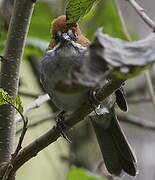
132	71
103	14
77	173
78	8
13	101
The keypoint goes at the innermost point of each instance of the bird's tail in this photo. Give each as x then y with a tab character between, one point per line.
117	153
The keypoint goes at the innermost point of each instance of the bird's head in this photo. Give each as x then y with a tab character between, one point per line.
63	32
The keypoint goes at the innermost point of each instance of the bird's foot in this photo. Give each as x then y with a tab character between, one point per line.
4	164
4	168
60	126
93	101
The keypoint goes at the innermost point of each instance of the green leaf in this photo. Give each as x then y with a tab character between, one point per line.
77	173
76	9
13	101
132	71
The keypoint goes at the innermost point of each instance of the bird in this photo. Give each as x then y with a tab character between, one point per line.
68	81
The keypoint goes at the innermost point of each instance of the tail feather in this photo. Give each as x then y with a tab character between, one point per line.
116	151
121	99
121	140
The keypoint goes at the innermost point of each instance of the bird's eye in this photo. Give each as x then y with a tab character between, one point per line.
72	35
57	36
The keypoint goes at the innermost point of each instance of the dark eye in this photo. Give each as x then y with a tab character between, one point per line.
57	36
72	35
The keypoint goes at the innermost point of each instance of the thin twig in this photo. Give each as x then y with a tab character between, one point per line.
139	100
52	135
142	14
150	87
136	121
19	145
151	24
9	77
35	104
124	26
145	17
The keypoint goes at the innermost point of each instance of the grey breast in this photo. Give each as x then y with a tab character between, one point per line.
56	66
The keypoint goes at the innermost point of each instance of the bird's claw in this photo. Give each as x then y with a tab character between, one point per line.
60	126
5	164
93	101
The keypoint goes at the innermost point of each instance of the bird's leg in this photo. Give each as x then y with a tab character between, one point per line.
93	101
60	126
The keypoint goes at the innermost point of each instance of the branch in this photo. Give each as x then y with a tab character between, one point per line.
111	56
151	24
10	72
139	100
52	135
142	14
125	30
150	87
136	121
124	27
109	50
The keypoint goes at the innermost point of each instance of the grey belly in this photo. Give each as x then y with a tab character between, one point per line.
68	102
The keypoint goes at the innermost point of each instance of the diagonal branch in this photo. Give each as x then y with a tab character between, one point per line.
36	103
150	87
142	14
52	135
123	23
137	121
